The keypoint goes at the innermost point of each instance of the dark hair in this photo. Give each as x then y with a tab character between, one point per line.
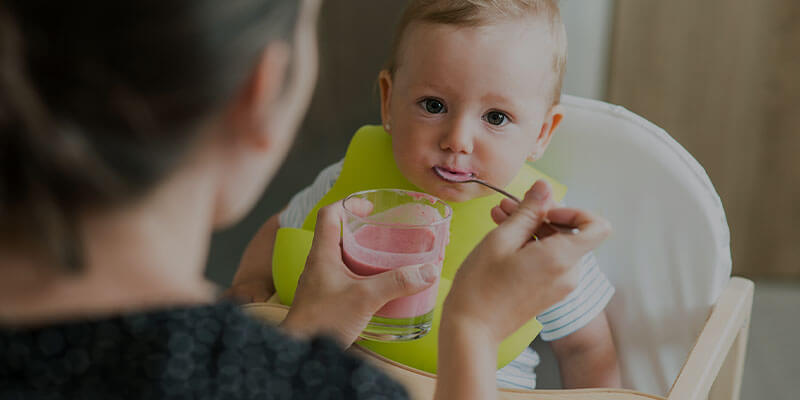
99	99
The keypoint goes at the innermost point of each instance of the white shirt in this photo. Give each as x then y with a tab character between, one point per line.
567	316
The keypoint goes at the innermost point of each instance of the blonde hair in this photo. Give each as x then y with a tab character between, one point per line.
472	13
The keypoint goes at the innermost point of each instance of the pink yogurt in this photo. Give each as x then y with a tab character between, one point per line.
373	249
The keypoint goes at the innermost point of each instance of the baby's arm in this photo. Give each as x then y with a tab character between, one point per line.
587	357
253	279
579	332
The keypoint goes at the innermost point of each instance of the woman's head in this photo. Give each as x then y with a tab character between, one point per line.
100	101
472	88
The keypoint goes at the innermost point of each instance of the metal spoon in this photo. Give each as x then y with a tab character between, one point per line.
472	179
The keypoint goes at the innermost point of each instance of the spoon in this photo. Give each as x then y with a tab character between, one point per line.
458	177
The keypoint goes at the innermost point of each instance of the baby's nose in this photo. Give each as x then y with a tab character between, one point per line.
457	140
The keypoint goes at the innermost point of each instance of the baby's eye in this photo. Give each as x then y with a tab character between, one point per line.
496	118
433	106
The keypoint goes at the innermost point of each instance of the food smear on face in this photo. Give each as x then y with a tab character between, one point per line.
453	176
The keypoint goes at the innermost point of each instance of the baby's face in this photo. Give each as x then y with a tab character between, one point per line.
470	100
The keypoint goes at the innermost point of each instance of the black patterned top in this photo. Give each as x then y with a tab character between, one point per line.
210	352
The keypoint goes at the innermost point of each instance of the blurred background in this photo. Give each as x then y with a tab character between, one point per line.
721	76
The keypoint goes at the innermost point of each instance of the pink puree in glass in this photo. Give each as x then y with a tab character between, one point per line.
373	249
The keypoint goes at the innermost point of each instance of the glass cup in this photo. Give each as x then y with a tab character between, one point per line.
389	228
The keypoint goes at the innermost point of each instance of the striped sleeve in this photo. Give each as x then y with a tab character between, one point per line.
581	306
519	373
304	201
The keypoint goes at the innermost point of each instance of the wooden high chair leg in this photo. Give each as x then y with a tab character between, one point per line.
729	381
717	359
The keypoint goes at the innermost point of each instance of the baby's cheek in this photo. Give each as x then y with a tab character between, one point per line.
410	165
403	147
506	171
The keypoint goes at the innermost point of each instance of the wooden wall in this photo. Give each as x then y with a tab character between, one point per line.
723	78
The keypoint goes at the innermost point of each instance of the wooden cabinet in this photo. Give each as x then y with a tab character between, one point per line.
723	78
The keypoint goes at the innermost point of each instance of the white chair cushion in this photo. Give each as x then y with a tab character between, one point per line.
669	256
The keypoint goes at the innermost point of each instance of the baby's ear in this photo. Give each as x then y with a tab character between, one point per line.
385	83
551	121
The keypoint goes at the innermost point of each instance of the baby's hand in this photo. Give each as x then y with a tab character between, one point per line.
253	280
248	292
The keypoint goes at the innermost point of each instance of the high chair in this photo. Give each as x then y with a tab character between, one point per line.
678	318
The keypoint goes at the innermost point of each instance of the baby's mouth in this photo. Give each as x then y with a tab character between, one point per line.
453	175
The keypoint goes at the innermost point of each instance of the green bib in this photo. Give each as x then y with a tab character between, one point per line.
369	164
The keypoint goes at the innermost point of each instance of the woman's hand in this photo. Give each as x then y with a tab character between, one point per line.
510	278
332	300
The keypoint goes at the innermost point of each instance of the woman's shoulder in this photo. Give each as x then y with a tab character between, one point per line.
215	351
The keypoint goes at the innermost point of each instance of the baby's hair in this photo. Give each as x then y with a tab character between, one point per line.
99	101
484	12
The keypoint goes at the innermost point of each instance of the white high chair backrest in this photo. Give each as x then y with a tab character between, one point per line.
669	256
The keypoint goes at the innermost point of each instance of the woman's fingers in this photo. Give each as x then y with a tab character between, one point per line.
570	216
328	229
518	228
359	206
498	215
508	206
567	249
399	282
544	230
593	229
501	212
590	226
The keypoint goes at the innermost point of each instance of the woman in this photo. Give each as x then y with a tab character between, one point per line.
131	130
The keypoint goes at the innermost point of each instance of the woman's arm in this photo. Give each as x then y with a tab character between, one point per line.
467	361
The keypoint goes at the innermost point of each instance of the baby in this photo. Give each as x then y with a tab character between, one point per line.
472	88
